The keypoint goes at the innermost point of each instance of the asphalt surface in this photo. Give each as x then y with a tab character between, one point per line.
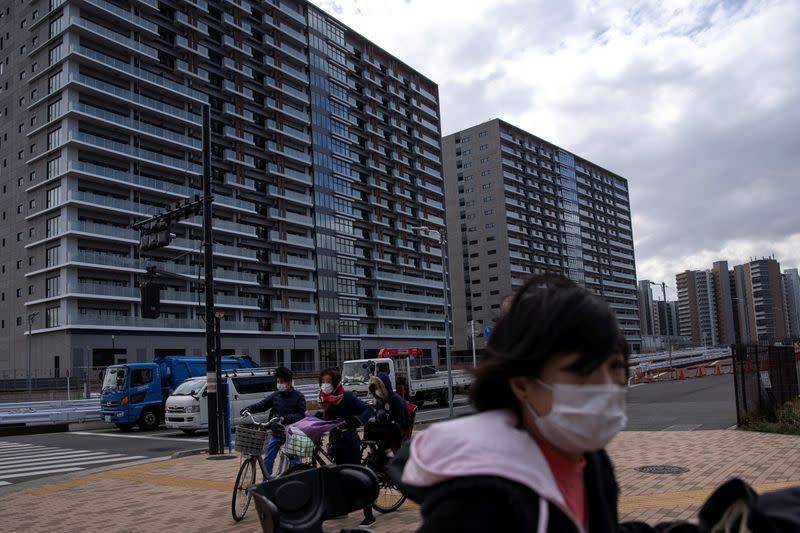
692	404
688	405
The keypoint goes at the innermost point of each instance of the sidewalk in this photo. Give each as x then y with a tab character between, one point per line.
193	493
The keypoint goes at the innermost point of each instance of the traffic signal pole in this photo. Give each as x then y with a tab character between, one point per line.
214	375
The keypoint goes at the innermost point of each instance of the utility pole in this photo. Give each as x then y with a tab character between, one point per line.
447	318
216	437
472	333
31	318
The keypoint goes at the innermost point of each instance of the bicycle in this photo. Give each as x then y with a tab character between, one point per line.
250	440
390	497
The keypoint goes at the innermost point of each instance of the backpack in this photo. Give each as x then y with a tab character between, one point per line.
411	409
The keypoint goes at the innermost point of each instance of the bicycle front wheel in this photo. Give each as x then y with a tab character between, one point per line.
390	497
241	498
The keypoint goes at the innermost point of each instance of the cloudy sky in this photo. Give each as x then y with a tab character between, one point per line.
695	102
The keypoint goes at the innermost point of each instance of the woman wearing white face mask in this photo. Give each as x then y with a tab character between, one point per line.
550	395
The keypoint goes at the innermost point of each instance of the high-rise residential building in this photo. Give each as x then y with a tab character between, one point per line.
791	283
760	295
724	296
519	205
646	308
325	153
666	318
697	310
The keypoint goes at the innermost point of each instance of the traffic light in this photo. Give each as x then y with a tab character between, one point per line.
151	299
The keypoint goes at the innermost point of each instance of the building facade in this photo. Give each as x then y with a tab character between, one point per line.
697	310
791	284
646	308
325	153
724	292
518	205
761	306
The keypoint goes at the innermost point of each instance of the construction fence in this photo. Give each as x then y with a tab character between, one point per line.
765	378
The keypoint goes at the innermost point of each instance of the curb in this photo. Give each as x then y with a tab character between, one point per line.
187	453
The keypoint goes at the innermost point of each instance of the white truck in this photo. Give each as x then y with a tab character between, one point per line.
422	383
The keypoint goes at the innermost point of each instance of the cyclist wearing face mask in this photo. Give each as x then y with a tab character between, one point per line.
550	395
288	404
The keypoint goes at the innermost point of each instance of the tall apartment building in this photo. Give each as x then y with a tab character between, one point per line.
666	318
646	308
325	153
518	205
697	310
724	291
791	284
761	307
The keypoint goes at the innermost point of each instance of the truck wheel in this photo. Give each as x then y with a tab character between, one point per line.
441	400
125	427
149	420
189	431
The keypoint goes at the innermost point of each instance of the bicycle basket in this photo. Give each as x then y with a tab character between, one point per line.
250	441
298	444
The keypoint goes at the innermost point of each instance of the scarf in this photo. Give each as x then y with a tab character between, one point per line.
329	400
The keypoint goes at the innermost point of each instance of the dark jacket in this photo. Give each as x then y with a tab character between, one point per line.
289	405
345	443
455	500
387	401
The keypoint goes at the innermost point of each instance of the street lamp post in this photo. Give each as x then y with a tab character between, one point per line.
472	333
448	355
31	318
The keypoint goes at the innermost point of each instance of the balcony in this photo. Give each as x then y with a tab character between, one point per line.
292	261
294	307
93	290
199	25
410	280
114	37
135	152
290	173
293	240
408	297
92	321
288	216
305	199
412	333
293	284
125	16
408	315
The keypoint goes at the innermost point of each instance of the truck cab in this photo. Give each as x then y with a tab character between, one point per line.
130	391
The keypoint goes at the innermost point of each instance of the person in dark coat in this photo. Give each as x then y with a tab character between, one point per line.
339	404
550	395
287	403
391	414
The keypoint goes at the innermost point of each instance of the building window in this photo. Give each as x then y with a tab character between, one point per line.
490	225
54	196
51	317
483	134
53	256
54	167
54	139
484	146
19	320
488	212
491	252
493	278
54	110
53	226
53	287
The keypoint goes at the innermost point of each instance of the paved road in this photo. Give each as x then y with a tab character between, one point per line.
682	405
704	403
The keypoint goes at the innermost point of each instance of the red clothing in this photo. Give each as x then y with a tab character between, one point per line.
569	478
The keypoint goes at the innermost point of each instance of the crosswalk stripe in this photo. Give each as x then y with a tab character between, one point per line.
33	469
54	471
4	483
19	450
50	458
38	453
7	449
27	452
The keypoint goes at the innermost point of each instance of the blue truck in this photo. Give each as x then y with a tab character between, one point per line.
135	393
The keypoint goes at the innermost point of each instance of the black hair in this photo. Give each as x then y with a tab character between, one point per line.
336	378
283	373
549	315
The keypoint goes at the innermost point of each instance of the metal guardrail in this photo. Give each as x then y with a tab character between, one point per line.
55	412
709	355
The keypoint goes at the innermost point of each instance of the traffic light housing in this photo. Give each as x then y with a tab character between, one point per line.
151	299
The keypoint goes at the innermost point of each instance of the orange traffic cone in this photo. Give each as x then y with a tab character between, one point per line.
719	369
700	373
681	375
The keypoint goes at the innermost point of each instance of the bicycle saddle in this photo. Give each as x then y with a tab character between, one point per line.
301	502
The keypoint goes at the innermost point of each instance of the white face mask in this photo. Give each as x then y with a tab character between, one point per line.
583	418
282	387
326	388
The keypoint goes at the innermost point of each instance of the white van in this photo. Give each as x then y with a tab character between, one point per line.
187	407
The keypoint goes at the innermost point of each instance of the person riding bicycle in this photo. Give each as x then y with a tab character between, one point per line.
391	417
287	403
339	404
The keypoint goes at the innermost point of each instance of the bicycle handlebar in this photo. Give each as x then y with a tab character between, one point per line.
261	424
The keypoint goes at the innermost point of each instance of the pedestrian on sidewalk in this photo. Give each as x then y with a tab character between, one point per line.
550	395
289	405
338	404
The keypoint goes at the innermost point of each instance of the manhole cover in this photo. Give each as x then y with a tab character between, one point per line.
662	469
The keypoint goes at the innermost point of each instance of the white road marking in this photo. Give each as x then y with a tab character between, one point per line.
53	458
54	471
119	436
4	483
115	458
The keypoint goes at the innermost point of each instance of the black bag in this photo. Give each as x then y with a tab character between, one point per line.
736	508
